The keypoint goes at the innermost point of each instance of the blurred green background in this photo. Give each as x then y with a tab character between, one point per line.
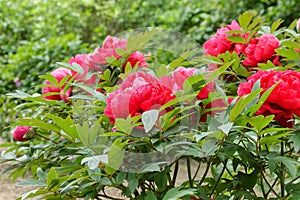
35	34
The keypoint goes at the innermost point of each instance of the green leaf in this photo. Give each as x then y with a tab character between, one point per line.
33	193
245	19
176	193
242	103
259	122
41	174
272	139
247	181
120	177
52	175
262	99
290	54
125	125
225	128
275	25
178	62
18	94
132	182
91	91
149	119
150	196
237	39
50	78
210	147
37	123
161	180
75	67
32	183
115	156
140	41
295	139
67	125
94	161
291	164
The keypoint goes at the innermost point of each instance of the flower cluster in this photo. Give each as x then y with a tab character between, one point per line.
141	92
252	51
93	61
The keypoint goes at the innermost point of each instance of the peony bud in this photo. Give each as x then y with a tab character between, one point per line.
23	133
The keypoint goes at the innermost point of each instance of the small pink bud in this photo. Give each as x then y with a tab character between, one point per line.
23	133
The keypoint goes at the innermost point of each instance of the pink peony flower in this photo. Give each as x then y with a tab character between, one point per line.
20	132
81	59
59	74
176	80
298	26
261	50
138	93
97	59
284	100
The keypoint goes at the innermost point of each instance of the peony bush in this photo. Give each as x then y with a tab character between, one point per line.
117	121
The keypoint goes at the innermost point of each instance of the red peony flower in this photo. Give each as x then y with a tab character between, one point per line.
136	58
218	43
59	74
20	132
284	100
138	93
97	59
261	50
175	83
218	103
